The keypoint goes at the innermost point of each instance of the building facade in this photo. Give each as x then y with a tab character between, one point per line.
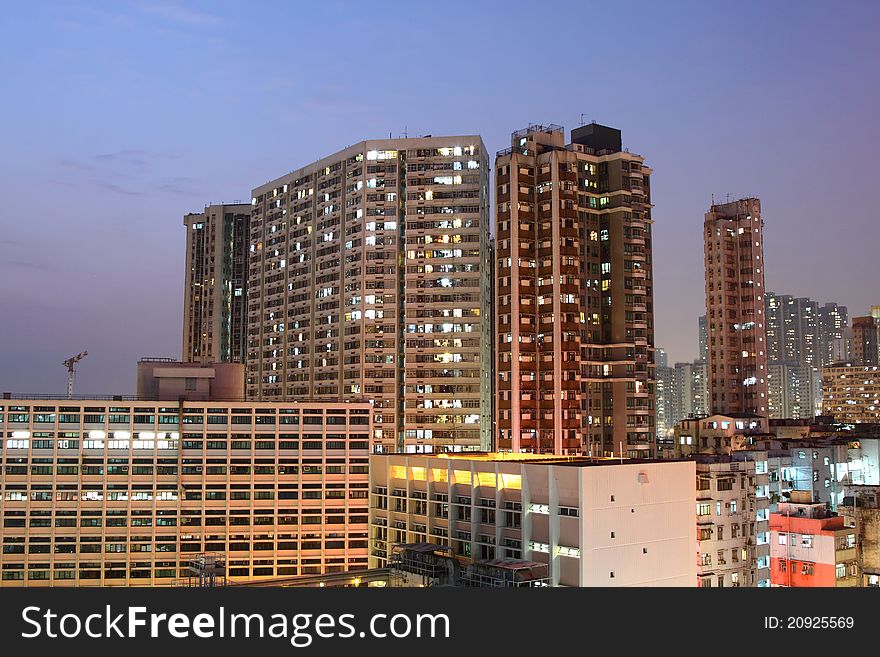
716	434
734	260
792	389
215	284
833	319
574	294
865	340
862	511
851	393
165	378
802	337
125	493
595	522
733	539
369	278
811	548
703	338
682	393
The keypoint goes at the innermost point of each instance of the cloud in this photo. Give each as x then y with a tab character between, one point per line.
127	172
76	164
179	14
26	264
128	157
117	189
174	186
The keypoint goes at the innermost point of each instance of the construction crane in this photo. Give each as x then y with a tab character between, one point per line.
71	370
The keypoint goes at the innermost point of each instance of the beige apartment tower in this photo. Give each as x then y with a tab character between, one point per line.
574	310
369	279
215	286
734	259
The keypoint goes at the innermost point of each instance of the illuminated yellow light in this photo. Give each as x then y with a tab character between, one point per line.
398	472
462	477
439	475
485	479
510	481
418	473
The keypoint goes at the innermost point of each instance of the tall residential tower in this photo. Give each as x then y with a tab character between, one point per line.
574	330
733	248
369	278
215	286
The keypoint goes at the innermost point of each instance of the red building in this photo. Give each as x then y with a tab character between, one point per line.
810	547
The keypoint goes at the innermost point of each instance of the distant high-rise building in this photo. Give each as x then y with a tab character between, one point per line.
215	286
791	390
660	357
865	340
369	278
733	235
575	362
665	398
681	393
851	393
703	338
692	390
801	339
833	320
841	348
793	331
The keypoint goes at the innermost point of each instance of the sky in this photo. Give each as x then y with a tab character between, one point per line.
120	117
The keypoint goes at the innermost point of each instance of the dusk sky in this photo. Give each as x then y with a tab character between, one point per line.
120	117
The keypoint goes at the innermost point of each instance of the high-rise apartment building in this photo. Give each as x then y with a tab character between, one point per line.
681	393
664	400
801	339
215	286
691	392
125	493
660	357
703	337
851	393
833	320
574	309
733	234
792	390
793	329
369	278
865	343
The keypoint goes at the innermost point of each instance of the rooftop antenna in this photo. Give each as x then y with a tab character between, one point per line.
582	118
70	364
405	133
